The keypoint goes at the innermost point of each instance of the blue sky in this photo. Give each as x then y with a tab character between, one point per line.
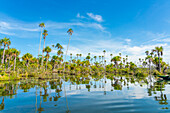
127	26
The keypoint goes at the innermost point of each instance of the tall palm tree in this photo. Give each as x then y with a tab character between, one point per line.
77	56
71	57
159	51
80	56
44	36
40	25
47	50
99	58
15	53
111	56
104	51
70	32
102	60
95	58
6	41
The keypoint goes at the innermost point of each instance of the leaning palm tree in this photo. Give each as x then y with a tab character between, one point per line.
15	53
47	50
44	34
5	41
40	25
159	51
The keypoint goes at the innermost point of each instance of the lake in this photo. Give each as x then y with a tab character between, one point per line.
85	94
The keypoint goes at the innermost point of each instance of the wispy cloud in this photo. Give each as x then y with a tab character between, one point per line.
80	16
55	25
17	26
97	18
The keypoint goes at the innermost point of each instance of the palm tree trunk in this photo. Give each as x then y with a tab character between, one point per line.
14	63
3	55
46	63
9	62
40	44
43	53
159	67
67	50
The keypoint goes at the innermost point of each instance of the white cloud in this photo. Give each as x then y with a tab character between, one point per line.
128	40
80	16
55	25
96	47
17	26
97	18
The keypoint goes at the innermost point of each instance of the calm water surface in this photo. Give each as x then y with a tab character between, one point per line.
85	95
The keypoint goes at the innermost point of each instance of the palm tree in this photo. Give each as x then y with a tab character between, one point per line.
102	60
95	58
70	32
99	58
149	58
88	57
40	25
80	56
115	60
6	41
147	53
27	57
159	51
59	46
104	51
77	56
71	57
44	34
47	50
15	53
111	56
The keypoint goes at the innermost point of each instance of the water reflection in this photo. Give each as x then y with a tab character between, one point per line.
49	95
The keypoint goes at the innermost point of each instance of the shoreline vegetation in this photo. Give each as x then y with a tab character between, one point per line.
45	66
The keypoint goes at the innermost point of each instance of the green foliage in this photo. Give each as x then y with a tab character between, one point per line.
141	73
156	72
